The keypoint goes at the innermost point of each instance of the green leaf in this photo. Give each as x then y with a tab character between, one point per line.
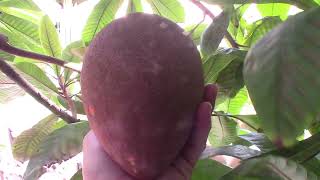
16	39
171	9
77	176
78	105
196	32
134	6
252	120
302	151
213	35
223	132
20	26
102	14
269	168
60	145
234	105
238	24
49	37
25	4
208	169
29	15
274	9
36	76
259	140
303	4
282	74
26	144
74	52
9	90
313	165
6	56
218	62
237	151
230	79
260	28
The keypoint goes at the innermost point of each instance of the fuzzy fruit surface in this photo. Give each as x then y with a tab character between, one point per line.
141	83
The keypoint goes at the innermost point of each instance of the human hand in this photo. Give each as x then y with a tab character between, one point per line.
97	165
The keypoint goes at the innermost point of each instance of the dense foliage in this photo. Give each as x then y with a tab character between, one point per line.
272	64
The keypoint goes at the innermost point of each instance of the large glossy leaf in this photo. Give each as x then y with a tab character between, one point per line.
26	144
269	168
49	37
196	32
102	14
261	28
274	9
237	151
223	131
282	76
21	26
171	9
9	90
60	145
303	4
208	169
36	76
213	35
259	140
134	6
25	4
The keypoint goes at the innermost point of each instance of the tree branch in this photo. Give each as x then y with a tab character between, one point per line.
14	76
65	93
23	53
206	11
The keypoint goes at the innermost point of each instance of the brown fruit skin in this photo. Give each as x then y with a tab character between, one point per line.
141	82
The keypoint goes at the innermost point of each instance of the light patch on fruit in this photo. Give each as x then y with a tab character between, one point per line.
163	25
190	45
132	161
156	68
185	33
91	111
183	124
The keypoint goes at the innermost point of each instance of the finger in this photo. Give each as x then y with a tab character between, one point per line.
198	139
210	93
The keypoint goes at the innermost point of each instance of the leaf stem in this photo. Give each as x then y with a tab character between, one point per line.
235	117
14	76
65	93
4	46
206	11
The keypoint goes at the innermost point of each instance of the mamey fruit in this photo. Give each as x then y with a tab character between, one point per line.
141	83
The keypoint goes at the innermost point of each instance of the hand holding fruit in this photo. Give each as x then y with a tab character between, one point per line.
97	165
